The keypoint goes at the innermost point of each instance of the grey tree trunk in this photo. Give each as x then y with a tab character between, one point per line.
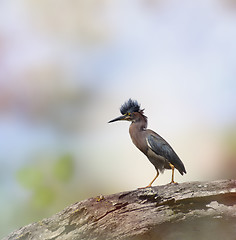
191	210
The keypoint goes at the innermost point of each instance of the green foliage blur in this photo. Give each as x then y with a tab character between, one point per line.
63	168
41	183
48	183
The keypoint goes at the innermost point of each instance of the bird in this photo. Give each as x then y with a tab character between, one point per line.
157	149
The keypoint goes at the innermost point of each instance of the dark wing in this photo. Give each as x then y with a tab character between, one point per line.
162	148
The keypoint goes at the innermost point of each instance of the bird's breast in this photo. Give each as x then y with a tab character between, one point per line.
139	140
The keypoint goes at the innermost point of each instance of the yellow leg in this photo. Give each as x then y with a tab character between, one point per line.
173	169
150	184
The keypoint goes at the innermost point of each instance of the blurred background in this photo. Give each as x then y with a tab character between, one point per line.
65	69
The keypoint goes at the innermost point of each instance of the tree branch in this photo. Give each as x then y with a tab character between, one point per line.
191	210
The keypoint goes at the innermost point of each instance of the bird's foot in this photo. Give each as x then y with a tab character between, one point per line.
148	186
173	182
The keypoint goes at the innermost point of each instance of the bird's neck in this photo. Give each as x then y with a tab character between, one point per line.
137	131
139	123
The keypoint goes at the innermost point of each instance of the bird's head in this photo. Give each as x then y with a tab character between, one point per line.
129	110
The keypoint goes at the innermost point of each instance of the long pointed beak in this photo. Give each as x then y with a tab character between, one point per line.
118	119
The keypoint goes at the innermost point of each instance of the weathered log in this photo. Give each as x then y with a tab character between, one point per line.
191	210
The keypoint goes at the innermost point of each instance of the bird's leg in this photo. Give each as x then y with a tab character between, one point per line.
150	184
173	169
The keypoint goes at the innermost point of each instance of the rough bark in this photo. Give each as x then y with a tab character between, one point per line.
191	210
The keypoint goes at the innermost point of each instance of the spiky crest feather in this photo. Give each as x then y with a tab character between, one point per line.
130	106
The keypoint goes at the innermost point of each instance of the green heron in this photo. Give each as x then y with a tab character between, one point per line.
157	150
